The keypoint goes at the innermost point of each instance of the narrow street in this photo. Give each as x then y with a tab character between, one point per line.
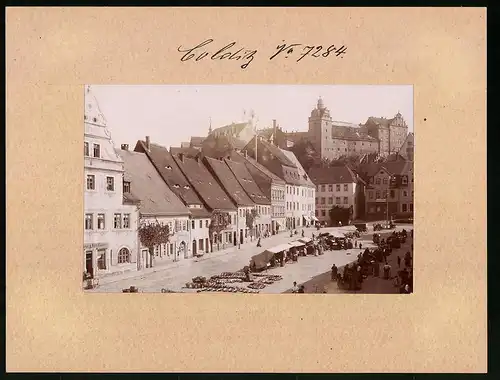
174	276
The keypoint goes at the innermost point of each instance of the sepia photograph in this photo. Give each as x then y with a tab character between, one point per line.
250	189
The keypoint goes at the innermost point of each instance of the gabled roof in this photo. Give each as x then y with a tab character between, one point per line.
269	151
247	182
332	175
148	186
229	182
251	164
392	167
350	133
189	152
164	163
204	183
303	176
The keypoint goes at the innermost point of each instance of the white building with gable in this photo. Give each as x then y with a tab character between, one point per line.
110	221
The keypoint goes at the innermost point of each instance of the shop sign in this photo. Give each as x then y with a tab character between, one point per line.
95	245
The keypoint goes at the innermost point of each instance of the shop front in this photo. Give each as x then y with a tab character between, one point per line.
96	258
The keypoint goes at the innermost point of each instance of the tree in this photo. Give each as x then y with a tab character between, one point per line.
305	153
218	223
151	235
250	219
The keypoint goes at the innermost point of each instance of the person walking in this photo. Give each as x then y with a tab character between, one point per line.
360	247
335	272
399	262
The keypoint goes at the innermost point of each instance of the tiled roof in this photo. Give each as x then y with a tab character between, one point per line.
334	174
189	152
220	146
228	128
246	181
350	133
204	183
379	121
229	182
393	167
303	176
147	185
161	158
274	151
236	156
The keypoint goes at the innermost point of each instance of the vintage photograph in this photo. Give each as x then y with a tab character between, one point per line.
252	189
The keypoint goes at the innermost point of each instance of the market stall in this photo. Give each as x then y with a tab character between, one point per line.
263	259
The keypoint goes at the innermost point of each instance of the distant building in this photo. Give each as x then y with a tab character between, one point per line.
407	150
172	175
196	142
239	133
336	186
391	133
110	218
389	189
157	204
271	185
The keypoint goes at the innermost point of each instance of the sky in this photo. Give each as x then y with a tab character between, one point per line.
170	114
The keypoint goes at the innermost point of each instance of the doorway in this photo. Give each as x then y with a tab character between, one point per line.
241	236
89	266
194	247
234	238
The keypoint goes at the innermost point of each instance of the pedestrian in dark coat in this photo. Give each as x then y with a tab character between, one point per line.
334	272
399	262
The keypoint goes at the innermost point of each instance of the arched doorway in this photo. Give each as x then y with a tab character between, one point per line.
182	251
123	256
194	247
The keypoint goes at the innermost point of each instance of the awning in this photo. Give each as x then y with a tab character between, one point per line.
279	248
314	218
307	218
305	240
296	243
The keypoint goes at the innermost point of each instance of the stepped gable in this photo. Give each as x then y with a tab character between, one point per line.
246	181
229	182
148	186
166	166
204	183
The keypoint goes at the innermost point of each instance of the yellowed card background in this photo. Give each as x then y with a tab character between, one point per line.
53	326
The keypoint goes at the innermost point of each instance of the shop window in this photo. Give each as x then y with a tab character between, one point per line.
123	256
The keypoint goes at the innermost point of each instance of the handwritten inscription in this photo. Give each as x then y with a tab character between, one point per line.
300	51
227	52
231	52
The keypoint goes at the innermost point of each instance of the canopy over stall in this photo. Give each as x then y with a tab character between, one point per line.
337	234
296	243
305	240
261	260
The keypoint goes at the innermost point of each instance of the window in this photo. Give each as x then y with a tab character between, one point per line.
337	187
346	187
346	200
200	244
97	151
206	223
411	207
322	187
201	223
337	200
405	193
184	225
330	200
123	256
385	181
89	222
392	194
192	225
404	180
126	186
90	182
118	221
101	259
126	220
384	194
377	194
370	195
412	194
330	188
110	183
101	221
322	200
86	150
323	213
372	210
404	209
377	181
316	212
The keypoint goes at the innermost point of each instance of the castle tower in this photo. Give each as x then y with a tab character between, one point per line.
320	129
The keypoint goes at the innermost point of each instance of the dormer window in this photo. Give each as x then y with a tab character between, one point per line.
126	187
176	186
168	167
186	187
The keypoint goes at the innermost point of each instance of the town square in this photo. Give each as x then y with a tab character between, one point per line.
248	206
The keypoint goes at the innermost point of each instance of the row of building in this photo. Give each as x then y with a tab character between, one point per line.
183	188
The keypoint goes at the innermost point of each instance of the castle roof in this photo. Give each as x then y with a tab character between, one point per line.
350	133
204	183
168	169
148	186
332	175
247	182
229	182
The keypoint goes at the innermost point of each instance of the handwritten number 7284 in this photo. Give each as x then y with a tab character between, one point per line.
314	51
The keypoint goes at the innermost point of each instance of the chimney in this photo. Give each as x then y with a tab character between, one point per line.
148	143
181	156
124	146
